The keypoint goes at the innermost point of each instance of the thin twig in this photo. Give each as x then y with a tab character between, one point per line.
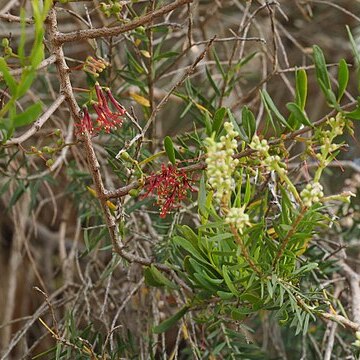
165	99
38	124
105	31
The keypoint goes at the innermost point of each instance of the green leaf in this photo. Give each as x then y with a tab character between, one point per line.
133	64
298	113
207	122
248	190
28	116
301	88
20	190
165	55
225	295
154	277
343	78
330	96
203	210
228	281
212	82
27	79
10	81
218	63
269	102
218	120
168	323
169	148
233	121
221	237
356	53
186	245
320	67
248	122
353	115
240	313
205	283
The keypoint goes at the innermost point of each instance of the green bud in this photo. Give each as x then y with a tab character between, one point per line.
125	156
116	8
8	51
103	6
47	150
59	142
5	42
140	30
57	132
49	162
134	192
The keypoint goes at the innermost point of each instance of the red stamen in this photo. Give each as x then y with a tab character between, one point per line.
171	186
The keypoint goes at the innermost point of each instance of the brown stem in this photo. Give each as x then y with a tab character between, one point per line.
289	236
244	250
116	30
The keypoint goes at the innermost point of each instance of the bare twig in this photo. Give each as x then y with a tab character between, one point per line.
165	99
12	18
105	31
354	281
38	124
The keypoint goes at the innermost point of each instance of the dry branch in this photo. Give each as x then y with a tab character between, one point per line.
61	38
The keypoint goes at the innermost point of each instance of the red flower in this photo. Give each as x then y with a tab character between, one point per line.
170	186
106	118
85	122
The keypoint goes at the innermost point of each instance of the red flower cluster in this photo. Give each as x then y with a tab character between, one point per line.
106	118
170	186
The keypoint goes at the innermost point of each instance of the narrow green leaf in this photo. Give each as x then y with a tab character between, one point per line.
10	81
20	190
168	323
134	64
207	122
166	55
353	115
356	53
169	148
320	67
152	274
205	283
225	295
329	95
212	82
233	121
218	120
343	78
267	99
240	313
150	280
248	122
202	198
28	116
218	64
228	281
298	113
248	190
301	88
27	78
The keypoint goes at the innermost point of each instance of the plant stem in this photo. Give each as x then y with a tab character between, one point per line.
244	250
289	235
